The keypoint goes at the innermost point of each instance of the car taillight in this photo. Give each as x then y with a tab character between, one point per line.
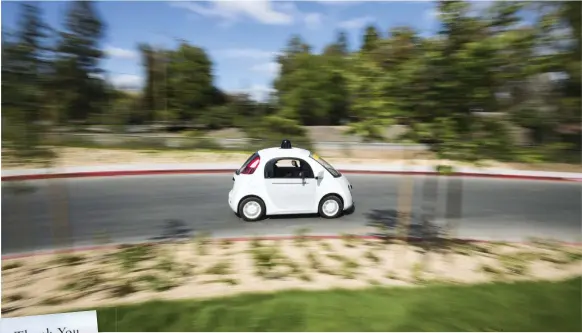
252	166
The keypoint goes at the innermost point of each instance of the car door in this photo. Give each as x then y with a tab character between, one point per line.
288	191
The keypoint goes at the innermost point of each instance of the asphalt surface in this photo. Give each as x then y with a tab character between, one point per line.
40	215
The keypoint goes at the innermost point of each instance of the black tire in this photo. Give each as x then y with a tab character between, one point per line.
251	218
339	203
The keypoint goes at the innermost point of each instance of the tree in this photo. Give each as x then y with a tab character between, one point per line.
306	99
368	87
24	68
190	82
371	38
339	47
295	46
77	67
152	81
480	62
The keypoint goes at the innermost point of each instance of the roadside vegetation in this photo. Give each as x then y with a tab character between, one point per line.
500	307
206	267
467	92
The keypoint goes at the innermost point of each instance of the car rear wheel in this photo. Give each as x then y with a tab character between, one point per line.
251	209
331	207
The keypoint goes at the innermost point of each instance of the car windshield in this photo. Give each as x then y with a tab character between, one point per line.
326	165
246	162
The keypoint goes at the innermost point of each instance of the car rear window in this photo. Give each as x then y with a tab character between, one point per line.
326	165
246	163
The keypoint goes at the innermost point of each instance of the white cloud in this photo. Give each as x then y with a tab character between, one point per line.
312	20
356	23
257	92
97	76
262	11
247	53
117	52
271	68
126	81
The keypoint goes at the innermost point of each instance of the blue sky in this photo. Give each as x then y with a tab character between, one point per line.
241	37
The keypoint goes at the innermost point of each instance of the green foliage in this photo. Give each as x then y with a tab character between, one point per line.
312	87
217	117
77	63
270	130
481	61
23	100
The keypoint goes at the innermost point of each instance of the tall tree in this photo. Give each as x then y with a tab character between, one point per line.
368	86
147	59
371	38
79	54
339	47
154	95
288	64
190	82
294	47
24	70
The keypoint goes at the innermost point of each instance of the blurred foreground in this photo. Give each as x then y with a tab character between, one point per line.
204	267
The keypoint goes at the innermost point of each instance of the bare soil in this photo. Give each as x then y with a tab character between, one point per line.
205	267
79	157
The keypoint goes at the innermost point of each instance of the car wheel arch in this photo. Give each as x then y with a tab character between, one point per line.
251	196
330	194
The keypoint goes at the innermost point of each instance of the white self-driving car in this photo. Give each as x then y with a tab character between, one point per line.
287	180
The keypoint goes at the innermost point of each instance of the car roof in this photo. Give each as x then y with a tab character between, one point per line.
282	152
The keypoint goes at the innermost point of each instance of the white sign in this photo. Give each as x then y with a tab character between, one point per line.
72	322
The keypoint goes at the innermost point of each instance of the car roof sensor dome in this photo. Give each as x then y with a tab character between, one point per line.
286	144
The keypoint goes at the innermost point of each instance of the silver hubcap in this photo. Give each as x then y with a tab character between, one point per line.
330	207
252	209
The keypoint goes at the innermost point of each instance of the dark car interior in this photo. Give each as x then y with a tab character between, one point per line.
288	168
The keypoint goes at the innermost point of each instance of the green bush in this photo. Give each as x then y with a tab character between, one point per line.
271	130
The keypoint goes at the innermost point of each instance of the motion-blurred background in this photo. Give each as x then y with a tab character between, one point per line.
463	80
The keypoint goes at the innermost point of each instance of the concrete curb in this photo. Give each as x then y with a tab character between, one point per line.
238	239
217	168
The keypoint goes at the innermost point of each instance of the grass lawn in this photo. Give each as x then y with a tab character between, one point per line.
523	306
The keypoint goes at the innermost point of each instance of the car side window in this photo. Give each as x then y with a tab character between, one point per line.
288	168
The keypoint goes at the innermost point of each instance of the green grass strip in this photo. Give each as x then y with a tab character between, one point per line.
523	306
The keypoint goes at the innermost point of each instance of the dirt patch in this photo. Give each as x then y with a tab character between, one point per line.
205	267
79	157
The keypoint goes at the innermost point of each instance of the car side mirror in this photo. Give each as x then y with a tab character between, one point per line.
319	175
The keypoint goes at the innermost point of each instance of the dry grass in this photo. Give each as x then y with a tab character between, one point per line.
204	267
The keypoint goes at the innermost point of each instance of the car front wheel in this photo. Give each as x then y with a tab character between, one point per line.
251	209
331	207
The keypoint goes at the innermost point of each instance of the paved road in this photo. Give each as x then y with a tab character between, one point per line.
125	209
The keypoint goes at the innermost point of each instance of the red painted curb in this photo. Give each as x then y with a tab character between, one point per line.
459	174
234	239
224	171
